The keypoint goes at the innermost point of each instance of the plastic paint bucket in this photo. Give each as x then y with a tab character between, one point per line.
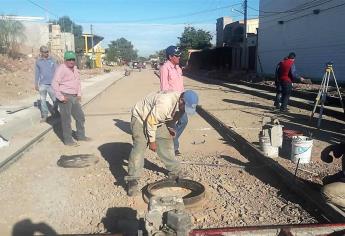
267	148
301	149
287	137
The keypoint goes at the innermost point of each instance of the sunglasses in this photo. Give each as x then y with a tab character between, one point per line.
70	60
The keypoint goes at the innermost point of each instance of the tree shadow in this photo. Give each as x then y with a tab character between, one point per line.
116	154
28	228
123	220
123	125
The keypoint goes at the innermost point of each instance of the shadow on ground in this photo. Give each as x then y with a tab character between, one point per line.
28	228
117	154
122	220
123	125
331	131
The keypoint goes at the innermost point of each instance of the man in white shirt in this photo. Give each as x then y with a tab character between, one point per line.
152	125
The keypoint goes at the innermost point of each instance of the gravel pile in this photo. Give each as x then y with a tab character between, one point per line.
238	196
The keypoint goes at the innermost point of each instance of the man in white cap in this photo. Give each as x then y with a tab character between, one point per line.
152	125
44	73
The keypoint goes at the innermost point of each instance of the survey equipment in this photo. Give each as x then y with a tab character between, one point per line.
323	91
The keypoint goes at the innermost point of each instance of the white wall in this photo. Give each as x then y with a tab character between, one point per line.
36	35
315	38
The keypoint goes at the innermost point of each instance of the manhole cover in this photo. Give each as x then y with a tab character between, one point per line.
191	191
77	161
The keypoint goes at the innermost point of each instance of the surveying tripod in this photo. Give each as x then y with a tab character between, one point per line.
322	94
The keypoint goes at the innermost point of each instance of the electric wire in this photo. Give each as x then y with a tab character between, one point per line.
284	15
302	16
295	9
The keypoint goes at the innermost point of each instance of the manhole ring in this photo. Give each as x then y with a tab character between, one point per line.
197	190
77	161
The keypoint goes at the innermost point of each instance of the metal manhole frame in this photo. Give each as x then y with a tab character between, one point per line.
195	196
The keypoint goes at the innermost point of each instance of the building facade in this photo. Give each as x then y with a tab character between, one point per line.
312	30
221	24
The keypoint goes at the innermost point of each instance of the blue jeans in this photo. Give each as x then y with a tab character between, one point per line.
180	126
278	100
286	92
45	89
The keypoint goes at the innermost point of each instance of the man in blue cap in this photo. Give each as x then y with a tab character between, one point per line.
171	79
152	125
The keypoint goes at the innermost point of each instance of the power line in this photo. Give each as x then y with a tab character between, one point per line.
292	13
308	14
323	10
174	17
298	8
43	8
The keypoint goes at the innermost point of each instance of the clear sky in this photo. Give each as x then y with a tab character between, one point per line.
151	25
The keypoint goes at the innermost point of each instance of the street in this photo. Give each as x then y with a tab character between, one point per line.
94	200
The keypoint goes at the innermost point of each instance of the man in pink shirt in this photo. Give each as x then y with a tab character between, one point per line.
171	80
67	87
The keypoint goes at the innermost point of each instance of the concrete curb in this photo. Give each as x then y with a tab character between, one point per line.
331	213
334	112
31	117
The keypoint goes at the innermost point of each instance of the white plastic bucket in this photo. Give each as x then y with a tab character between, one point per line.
267	148
301	149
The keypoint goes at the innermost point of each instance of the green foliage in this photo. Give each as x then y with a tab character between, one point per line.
142	59
11	33
121	49
192	38
67	25
159	54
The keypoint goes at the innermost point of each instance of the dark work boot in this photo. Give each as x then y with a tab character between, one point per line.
132	188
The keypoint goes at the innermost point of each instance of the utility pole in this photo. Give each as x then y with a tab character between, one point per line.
93	52
245	58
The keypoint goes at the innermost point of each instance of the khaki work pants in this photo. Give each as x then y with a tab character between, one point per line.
335	193
165	149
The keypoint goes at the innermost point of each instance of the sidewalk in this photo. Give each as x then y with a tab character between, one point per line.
336	112
21	127
242	109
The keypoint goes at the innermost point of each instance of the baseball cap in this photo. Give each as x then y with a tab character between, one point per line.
292	55
172	50
44	49
69	55
191	100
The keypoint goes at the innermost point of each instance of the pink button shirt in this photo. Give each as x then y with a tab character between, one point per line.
66	81
171	77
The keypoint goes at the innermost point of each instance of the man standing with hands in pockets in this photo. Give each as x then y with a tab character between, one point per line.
67	88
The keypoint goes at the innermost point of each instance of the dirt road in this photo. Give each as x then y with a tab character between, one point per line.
36	193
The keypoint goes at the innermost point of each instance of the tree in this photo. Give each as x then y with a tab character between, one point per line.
67	25
121	49
11	33
159	54
192	38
